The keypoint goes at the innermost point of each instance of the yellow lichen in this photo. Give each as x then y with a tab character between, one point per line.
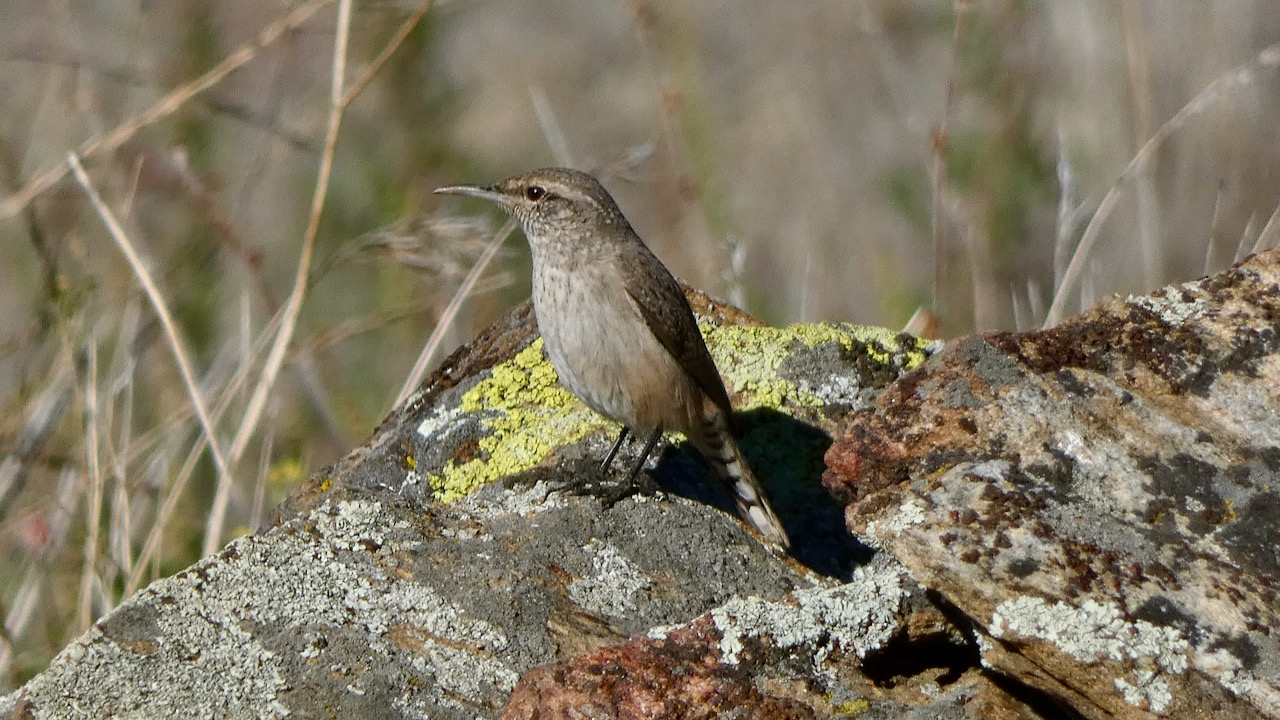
527	413
749	357
853	707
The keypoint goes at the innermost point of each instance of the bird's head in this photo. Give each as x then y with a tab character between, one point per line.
549	202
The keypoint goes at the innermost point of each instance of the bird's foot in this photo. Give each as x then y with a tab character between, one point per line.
608	488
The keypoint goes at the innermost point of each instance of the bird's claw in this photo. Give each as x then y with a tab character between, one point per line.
610	490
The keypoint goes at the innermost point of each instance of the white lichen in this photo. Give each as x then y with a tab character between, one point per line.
1098	631
613	585
855	618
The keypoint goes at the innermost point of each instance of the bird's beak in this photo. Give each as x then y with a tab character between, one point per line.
476	191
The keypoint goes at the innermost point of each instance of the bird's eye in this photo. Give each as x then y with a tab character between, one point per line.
535	192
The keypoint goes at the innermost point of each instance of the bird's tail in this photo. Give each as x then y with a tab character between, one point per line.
717	444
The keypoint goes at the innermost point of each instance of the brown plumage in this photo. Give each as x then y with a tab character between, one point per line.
618	328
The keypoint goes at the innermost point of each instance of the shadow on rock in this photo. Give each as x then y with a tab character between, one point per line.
786	455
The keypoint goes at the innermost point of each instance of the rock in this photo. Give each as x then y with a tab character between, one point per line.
1097	501
793	658
1080	522
423	574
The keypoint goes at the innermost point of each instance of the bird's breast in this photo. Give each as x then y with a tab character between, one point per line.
602	349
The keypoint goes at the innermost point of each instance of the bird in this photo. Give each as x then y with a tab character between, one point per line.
618	329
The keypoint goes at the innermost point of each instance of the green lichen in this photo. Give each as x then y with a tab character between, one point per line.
527	414
749	357
853	707
526	379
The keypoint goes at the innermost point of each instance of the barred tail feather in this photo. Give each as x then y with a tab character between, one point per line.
725	457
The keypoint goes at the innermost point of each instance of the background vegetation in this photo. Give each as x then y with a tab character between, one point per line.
216	220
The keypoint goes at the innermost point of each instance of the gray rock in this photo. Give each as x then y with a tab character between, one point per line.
1077	522
422	575
1098	500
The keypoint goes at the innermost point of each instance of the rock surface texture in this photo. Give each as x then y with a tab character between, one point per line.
1080	522
1098	501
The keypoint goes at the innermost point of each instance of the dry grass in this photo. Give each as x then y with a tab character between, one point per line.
222	258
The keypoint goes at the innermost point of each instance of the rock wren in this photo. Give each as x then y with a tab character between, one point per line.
618	328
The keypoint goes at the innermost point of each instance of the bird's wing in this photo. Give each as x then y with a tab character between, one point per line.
666	311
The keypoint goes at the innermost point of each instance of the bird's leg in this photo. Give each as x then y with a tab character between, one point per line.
611	492
630	486
644	454
613	451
